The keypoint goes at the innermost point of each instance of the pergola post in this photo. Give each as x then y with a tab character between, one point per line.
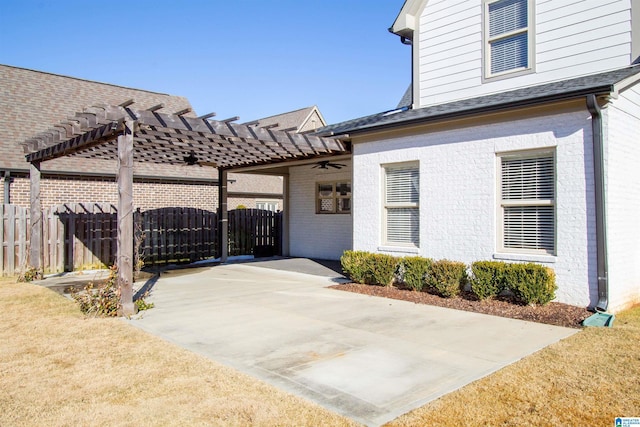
125	219
36	258
285	215
223	216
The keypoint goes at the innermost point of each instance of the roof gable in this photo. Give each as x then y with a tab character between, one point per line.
407	20
301	120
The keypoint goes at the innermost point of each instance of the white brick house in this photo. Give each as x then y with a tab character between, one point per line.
516	142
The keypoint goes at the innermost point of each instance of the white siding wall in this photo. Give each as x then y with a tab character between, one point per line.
623	202
458	204
572	38
323	236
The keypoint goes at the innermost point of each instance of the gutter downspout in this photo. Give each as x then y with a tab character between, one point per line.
601	229
409	42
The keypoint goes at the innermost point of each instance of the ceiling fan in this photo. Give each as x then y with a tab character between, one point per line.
191	159
326	164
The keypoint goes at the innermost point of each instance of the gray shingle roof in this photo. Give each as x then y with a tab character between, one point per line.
581	86
407	98
290	120
32	101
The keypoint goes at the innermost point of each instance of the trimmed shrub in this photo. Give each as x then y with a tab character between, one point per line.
368	268
446	278
531	283
355	265
487	279
382	269
414	271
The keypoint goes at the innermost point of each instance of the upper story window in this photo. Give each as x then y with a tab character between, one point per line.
508	36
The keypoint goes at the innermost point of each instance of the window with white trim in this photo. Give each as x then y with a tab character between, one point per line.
527	193
333	197
508	36
402	204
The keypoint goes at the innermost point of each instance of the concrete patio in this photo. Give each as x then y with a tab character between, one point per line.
370	359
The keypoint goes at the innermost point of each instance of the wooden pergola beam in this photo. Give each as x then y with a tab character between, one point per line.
101	123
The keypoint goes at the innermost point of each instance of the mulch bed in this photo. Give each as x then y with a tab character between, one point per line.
553	313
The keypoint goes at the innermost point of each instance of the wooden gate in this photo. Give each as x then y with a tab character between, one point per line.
255	231
176	235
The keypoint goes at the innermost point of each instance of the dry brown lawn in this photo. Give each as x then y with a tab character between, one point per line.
585	380
59	368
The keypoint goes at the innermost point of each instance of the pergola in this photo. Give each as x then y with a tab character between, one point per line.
129	135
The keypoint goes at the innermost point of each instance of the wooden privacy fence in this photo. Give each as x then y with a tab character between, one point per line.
15	239
174	235
83	235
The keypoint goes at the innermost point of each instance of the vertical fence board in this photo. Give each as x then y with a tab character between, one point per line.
2	236
22	240
11	240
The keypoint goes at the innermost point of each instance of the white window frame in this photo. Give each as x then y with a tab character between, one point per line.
489	40
388	206
525	202
335	197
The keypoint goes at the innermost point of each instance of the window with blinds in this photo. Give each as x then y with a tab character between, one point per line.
527	201
401	204
507	35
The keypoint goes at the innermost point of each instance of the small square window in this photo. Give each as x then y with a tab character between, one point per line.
333	197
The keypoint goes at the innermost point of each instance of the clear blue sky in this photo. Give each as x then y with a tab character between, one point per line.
251	58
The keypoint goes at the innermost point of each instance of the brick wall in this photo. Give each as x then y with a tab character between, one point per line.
623	199
234	202
458	190
324	236
149	194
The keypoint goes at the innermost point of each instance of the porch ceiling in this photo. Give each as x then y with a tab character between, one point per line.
175	139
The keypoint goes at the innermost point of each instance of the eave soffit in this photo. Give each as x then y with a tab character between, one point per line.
407	20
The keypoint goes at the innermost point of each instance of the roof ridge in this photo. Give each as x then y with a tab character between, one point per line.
89	81
286	112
